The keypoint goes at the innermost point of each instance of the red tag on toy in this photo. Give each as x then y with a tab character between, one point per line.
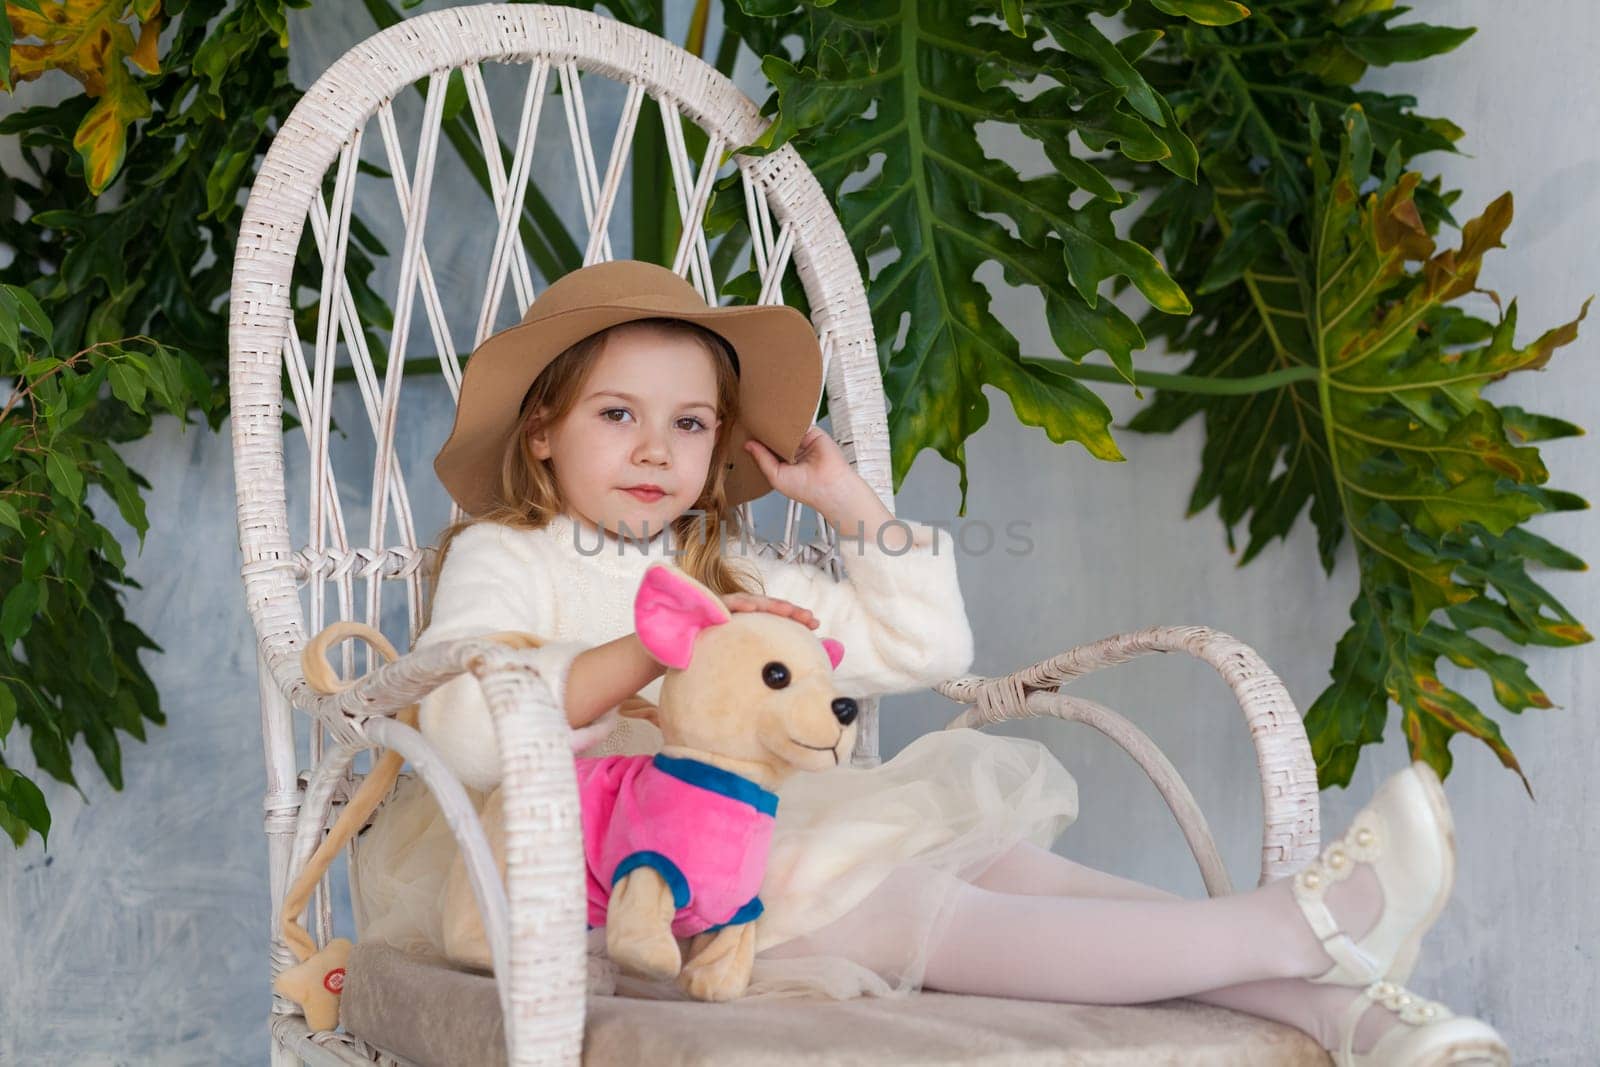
333	981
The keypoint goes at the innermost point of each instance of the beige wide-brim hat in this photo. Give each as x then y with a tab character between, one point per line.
779	362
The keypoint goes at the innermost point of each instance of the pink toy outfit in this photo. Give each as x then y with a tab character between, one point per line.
706	830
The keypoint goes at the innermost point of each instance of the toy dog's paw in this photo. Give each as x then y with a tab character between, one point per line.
654	957
720	980
719	964
639	926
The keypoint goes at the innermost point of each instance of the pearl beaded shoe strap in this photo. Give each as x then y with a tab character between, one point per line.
1361	843
1412	1010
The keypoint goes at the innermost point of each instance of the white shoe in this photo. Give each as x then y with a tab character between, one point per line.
1405	962
1405	832
1428	1034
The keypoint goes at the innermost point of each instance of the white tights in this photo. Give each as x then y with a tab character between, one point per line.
1038	926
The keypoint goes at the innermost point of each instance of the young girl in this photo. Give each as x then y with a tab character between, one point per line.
620	424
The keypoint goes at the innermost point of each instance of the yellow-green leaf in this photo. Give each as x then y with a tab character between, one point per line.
1204	12
89	41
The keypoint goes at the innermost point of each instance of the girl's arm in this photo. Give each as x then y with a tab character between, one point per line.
858	511
606	675
899	612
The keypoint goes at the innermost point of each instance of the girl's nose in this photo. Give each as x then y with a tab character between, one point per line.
653	447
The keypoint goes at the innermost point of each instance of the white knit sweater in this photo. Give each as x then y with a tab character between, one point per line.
900	618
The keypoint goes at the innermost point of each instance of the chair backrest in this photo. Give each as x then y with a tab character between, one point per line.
363	526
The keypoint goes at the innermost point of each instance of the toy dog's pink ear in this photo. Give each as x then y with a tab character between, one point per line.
835	651
670	610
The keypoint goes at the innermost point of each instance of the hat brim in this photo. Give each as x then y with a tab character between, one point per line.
780	385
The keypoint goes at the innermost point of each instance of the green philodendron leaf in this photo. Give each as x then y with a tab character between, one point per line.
1393	442
911	82
1362	36
1340	369
1013	15
1349	10
1205	12
1405	44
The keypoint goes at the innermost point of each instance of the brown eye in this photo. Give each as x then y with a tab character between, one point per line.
775	674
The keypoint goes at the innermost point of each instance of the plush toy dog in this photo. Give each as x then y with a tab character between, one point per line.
676	843
747	700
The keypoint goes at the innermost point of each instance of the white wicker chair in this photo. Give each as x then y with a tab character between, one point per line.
535	921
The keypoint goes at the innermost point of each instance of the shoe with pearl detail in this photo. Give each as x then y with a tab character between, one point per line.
1406	834
1427	1034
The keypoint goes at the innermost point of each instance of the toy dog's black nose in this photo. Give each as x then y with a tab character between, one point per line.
844	709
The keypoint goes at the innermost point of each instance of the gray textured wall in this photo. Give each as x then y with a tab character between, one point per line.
139	937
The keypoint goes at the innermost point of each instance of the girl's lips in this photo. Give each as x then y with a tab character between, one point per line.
646	494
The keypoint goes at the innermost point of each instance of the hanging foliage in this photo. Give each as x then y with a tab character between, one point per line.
1339	374
113	307
1288	249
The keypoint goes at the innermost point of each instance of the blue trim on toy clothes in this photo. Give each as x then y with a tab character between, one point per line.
747	914
718	780
663	866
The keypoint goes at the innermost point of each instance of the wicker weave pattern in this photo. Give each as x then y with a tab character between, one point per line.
1291	835
795	228
532	920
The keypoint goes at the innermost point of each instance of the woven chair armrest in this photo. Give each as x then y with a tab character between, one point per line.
535	921
543	979
1291	817
391	687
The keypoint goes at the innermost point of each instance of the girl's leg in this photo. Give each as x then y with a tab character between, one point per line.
1093	950
1314	1008
1033	871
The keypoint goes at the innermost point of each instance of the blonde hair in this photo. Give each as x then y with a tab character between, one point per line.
528	497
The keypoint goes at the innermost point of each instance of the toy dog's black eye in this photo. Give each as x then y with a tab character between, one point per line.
775	674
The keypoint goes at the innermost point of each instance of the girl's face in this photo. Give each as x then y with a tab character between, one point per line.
646	416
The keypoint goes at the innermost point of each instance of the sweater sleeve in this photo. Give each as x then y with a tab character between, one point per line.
900	617
487	584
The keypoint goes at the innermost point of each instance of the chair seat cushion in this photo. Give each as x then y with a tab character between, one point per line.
432	1014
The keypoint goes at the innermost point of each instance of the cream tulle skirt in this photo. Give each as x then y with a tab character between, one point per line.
860	878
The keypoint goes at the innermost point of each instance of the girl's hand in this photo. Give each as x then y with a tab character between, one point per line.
756	602
819	471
